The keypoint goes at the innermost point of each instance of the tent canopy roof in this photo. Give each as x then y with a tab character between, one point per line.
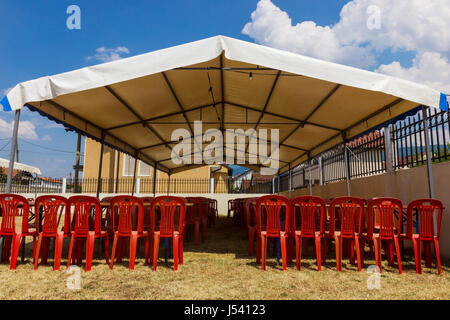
134	104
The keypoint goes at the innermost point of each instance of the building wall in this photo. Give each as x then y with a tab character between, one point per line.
109	166
407	185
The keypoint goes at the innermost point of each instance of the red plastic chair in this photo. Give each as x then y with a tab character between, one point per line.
197	215
11	205
349	212
168	207
272	205
427	233
52	207
250	210
312	211
84	231
123	207
385	208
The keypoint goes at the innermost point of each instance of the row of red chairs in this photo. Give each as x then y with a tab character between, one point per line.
127	218
349	219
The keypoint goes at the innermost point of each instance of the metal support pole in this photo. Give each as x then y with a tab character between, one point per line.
77	163
428	151
99	179
347	168
168	185
321	177
279	183
310	177
290	178
117	172
388	149
154	179
12	153
134	174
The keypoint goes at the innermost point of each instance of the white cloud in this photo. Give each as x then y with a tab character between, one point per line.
46	138
429	68
27	130
103	54
273	27
4	92
420	26
416	25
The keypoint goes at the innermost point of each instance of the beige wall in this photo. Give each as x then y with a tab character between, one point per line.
406	185
109	166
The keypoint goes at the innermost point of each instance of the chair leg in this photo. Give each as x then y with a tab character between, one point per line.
362	248
283	250
155	250
175	252
377	249
15	250
181	249
113	252
58	250
263	251
399	257
36	256
147	240
417	255
133	247
258	249
438	256
72	241
89	250
7	248
298	252
318	252
358	252
338	244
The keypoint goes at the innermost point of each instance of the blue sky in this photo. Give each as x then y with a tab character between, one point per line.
36	42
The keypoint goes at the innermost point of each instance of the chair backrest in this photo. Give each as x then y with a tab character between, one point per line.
426	209
250	212
385	208
312	211
124	207
52	207
84	207
168	207
195	212
350	212
147	202
272	205
11	204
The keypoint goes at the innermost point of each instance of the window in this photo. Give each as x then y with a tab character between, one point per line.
128	166
144	169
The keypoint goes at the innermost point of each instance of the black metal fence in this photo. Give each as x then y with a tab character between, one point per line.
367	155
409	139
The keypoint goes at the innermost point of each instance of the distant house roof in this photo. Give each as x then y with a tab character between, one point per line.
371	140
20	167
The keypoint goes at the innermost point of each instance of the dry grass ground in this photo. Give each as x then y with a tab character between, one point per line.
220	269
